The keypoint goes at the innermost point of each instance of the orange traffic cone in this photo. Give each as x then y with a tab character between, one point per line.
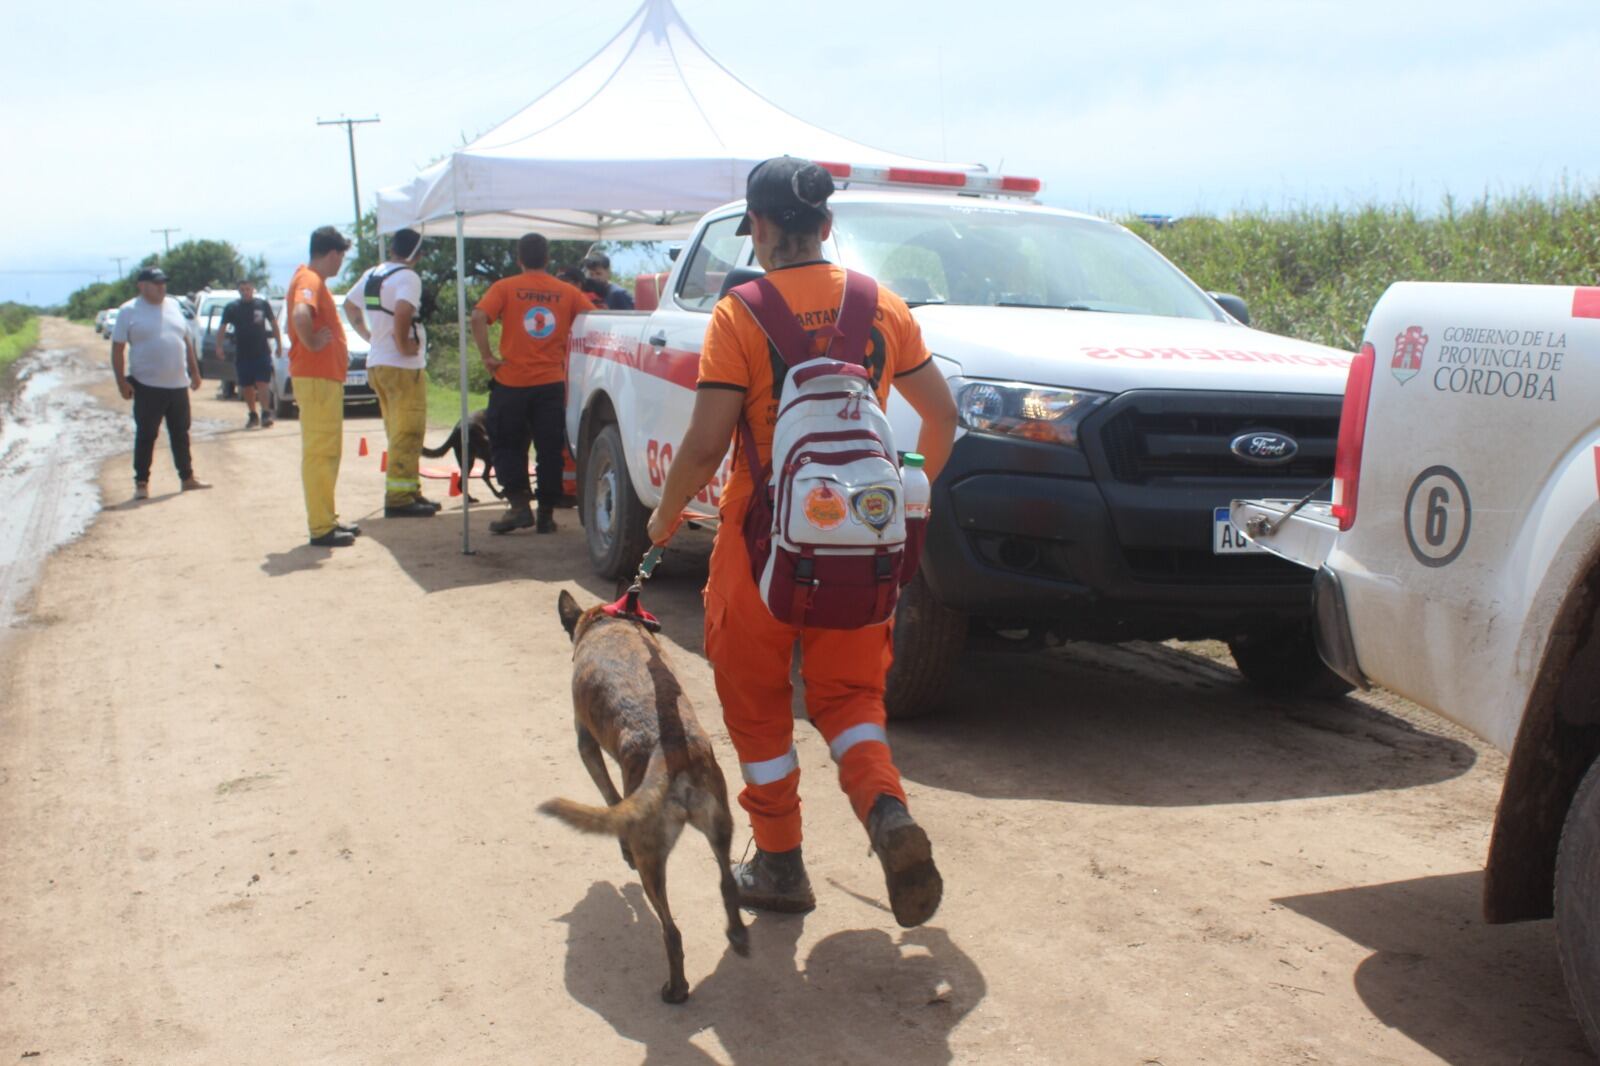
455	482
383	462
363	449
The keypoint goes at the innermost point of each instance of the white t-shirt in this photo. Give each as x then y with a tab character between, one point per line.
402	283
155	336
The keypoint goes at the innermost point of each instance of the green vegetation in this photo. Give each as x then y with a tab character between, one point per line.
444	403
19	331
190	266
1315	274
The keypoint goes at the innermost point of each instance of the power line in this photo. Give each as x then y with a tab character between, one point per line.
166	235
350	125
118	259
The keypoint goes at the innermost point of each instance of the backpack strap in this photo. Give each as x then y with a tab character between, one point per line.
845	339
373	293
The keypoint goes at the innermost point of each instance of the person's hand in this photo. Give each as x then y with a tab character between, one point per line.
194	382
663	526
320	339
126	388
493	365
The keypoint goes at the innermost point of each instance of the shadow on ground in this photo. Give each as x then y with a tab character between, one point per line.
1472	994
860	996
1150	725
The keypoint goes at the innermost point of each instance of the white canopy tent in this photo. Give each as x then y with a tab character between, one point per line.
635	145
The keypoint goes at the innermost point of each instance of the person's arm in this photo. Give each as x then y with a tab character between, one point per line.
404	314
194	362
301	322
222	331
695	462
355	314
277	334
480	337
118	356
928	393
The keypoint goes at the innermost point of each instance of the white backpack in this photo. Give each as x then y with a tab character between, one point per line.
826	530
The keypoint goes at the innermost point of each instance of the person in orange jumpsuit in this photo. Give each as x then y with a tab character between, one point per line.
787	218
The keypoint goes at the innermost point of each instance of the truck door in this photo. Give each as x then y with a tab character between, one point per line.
670	352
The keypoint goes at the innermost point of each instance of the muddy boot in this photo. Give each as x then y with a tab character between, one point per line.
914	884
517	516
547	521
775	881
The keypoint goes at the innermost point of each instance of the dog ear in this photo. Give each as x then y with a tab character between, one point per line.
569	610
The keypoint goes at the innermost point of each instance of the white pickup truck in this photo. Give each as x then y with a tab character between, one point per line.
1110	410
1459	565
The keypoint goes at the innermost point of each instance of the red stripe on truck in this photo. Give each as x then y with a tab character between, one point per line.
1586	303
672	365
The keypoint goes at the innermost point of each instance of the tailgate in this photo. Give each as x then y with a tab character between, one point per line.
1300	533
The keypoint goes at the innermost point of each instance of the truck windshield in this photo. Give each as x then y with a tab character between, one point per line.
999	257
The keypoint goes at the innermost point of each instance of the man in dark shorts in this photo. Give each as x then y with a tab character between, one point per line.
250	316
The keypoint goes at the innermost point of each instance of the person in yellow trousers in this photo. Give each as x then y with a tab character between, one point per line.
382	307
318	359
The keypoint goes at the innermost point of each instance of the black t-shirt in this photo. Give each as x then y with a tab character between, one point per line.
249	319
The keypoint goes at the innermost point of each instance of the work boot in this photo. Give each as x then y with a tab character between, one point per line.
547	521
347	527
432	504
914	884
517	516
253	421
775	881
414	509
334	538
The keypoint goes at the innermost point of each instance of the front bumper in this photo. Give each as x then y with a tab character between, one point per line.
1027	535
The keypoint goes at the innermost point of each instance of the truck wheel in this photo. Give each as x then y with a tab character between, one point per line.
1287	664
614	520
928	636
1578	903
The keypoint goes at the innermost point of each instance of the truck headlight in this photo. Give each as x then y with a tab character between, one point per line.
1032	412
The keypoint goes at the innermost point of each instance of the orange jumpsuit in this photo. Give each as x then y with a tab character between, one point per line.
749	649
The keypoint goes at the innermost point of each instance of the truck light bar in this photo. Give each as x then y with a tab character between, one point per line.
985	184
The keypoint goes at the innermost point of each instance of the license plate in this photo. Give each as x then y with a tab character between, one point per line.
355	377
1226	539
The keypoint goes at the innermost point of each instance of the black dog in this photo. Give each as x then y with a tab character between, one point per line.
478	426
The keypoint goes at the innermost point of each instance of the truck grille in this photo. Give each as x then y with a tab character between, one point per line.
1187	435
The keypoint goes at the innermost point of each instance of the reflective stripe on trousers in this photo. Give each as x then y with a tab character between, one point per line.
770	770
856	734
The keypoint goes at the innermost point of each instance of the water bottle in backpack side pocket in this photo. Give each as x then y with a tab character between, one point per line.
917	495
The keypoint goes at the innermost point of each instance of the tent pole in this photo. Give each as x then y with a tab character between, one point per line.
461	350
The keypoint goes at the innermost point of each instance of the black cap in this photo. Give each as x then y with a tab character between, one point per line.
152	274
787	190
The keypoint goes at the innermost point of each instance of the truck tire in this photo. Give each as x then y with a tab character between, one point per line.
1577	903
1287	664
614	520
928	636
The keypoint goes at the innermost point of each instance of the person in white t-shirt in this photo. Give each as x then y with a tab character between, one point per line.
161	369
382	306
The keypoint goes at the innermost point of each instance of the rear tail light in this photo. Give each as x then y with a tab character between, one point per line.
1352	436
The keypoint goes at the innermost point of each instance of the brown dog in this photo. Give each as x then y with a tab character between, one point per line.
627	702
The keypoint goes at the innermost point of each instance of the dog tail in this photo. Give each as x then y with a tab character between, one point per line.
449	442
640	806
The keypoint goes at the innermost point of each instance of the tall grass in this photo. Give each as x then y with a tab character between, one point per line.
18	333
1316	273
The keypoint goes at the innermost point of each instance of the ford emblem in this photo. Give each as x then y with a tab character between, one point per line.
1265	447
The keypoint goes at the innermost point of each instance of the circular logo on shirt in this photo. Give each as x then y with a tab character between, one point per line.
540	322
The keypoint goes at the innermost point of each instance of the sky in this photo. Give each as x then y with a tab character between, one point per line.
123	118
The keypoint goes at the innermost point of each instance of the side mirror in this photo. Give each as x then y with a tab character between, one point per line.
673	253
738	276
1233	305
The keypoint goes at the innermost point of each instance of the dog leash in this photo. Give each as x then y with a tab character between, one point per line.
628	605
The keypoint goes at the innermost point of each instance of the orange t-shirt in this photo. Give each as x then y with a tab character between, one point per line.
737	354
535	312
333	360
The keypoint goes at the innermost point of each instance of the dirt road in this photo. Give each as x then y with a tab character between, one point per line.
265	803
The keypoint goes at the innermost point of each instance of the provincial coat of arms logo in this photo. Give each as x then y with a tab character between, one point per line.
1408	349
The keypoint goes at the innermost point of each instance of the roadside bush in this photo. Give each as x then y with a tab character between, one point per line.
19	331
1315	274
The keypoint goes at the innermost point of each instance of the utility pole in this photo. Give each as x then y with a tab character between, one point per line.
350	125
166	235
118	260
